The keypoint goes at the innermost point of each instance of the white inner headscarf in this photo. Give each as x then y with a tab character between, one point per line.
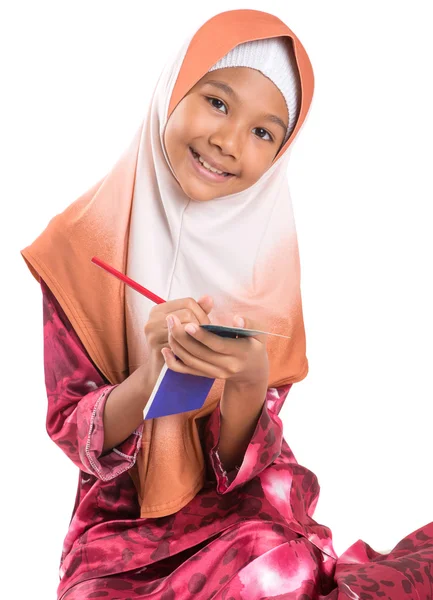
275	59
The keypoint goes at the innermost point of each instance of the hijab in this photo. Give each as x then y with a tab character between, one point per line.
241	249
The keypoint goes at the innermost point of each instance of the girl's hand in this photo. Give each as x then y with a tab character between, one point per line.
187	310
242	362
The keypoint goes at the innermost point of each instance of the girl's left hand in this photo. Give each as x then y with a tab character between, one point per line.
242	361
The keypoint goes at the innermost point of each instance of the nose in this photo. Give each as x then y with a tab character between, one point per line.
229	140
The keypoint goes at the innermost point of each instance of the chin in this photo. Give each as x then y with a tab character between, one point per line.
199	195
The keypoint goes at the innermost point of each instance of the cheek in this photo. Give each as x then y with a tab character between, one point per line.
175	128
171	135
178	135
186	120
255	163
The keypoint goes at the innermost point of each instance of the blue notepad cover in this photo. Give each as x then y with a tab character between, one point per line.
176	393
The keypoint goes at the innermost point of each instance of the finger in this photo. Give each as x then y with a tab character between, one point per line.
198	356
206	303
178	337
180	367
185	303
217	344
194	362
156	329
185	315
202	343
244	323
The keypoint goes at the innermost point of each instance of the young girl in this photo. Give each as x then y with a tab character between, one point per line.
210	503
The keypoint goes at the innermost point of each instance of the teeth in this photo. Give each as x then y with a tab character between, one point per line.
207	166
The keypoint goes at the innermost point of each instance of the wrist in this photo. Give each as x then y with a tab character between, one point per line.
248	386
243	399
255	376
149	372
241	406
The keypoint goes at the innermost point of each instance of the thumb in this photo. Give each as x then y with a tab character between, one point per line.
245	323
206	303
240	322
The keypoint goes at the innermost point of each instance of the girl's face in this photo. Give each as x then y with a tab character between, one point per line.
235	120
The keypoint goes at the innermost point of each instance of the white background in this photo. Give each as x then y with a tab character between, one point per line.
76	78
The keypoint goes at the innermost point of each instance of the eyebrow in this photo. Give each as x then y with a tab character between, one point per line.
230	92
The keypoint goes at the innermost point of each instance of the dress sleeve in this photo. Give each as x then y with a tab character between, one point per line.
77	393
264	447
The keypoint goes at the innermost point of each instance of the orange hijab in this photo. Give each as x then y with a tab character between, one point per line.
170	466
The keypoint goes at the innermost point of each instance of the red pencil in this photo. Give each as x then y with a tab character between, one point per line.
135	286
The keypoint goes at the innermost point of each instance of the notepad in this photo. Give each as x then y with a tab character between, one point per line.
176	393
238	332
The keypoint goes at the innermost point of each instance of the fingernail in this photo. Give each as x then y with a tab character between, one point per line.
191	329
239	321
170	322
166	353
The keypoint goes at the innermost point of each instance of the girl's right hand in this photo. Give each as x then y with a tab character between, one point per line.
187	310
123	411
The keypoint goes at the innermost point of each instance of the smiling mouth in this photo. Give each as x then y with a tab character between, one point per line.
206	167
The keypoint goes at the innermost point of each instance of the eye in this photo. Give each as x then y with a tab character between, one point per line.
270	138
212	100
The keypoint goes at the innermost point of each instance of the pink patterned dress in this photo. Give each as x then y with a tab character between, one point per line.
247	535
